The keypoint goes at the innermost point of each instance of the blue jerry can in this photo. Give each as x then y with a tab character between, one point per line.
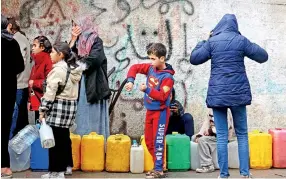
39	157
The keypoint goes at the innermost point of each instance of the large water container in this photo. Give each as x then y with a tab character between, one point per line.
39	157
233	160
195	158
148	159
215	159
136	158
118	153
92	152
19	162
76	140
279	147
178	152
24	139
260	145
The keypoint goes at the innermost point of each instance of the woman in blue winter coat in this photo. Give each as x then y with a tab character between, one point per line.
228	85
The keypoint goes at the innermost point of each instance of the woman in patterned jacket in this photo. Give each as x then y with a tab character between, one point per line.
58	106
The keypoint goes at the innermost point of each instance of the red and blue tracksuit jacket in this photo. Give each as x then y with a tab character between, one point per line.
157	101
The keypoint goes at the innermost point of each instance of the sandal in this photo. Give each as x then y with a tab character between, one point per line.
5	175
165	173
156	174
150	172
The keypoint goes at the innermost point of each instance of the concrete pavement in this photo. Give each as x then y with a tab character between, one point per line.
272	173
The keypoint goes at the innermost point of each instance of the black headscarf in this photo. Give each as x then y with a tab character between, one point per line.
4	32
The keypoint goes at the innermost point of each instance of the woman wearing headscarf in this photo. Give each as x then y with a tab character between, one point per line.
92	113
12	60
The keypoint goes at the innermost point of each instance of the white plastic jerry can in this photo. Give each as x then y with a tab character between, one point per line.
46	135
195	159
137	159
233	160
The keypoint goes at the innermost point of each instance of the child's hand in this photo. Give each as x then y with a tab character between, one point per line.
143	87
41	117
31	82
129	86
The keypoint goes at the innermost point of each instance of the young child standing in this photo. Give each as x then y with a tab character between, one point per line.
41	50
157	100
58	106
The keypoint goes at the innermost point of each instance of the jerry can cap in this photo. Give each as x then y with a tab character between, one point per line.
280	129
118	136
174	133
256	131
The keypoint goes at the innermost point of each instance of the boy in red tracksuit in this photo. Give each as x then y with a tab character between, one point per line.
157	91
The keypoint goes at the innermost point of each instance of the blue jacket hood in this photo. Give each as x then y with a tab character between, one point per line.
228	23
168	69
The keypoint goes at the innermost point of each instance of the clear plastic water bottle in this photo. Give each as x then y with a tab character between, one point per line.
24	139
20	162
134	143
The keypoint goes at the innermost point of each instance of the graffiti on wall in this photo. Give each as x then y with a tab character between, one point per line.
126	28
53	19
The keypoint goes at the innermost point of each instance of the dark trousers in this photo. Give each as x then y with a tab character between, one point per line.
8	94
60	156
20	115
183	125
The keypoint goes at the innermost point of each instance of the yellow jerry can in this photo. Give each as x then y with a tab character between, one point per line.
92	152
118	153
76	142
260	147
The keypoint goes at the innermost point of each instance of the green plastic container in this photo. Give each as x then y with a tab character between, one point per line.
178	152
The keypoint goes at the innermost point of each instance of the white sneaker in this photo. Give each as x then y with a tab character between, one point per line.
48	175
250	176
68	171
207	169
59	175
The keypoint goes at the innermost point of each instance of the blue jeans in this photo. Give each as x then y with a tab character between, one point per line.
20	114
240	126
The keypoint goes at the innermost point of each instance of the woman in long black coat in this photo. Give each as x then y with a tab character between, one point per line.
12	60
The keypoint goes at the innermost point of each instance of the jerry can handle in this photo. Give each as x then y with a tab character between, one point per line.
117	138
93	133
141	139
256	131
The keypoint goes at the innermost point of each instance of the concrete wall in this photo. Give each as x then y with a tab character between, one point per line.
126	27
